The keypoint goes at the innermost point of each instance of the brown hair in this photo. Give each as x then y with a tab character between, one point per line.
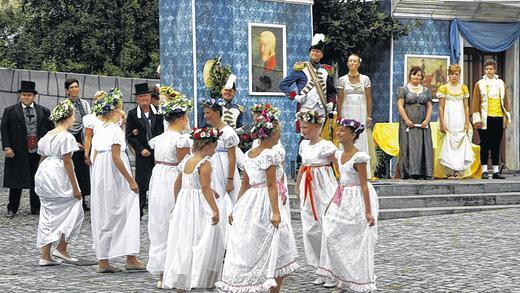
491	62
199	144
454	68
414	70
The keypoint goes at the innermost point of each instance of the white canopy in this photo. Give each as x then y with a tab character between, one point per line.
481	10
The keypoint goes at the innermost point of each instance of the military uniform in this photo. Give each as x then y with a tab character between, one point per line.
232	116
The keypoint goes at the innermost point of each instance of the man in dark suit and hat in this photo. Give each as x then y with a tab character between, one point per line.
142	124
23	124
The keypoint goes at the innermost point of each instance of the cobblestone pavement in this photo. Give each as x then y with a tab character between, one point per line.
474	252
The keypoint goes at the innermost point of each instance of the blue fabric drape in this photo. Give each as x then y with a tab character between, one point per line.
485	36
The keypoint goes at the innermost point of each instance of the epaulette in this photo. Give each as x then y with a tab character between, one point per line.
330	69
299	66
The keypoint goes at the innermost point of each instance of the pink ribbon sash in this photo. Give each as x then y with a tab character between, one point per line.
338	196
282	190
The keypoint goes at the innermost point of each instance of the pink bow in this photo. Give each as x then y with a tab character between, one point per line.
282	190
338	196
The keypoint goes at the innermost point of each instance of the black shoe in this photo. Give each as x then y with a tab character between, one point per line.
485	175
11	214
36	213
85	208
498	176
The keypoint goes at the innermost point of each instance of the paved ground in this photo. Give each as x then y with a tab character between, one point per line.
476	252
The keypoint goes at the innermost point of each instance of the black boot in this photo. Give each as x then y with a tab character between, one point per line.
498	176
485	175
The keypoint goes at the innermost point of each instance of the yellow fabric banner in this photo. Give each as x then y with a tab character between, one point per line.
386	136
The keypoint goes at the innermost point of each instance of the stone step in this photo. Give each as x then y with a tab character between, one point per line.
386	214
431	187
447	200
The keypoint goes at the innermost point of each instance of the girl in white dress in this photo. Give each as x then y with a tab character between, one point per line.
61	213
225	179
349	224
190	259
456	152
169	149
355	102
92	123
257	111
257	259
115	203
315	185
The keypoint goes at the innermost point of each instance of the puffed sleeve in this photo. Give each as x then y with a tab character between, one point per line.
230	139
153	142
69	145
303	144
118	136
401	92
341	82
465	92
41	146
328	148
361	157
270	158
442	91
182	164
88	121
367	81
184	141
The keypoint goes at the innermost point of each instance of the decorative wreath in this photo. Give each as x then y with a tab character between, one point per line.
176	106
215	75
259	108
208	133
63	110
112	101
264	125
211	102
311	117
351	123
169	91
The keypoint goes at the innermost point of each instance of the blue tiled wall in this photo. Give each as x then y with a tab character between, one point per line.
222	29
432	37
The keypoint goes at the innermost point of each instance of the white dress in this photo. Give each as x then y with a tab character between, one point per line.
319	176
190	259
114	206
161	199
256	253
283	193
60	212
456	151
347	250
219	175
92	121
355	107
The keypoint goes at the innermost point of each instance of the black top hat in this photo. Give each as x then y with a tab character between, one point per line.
27	86
141	88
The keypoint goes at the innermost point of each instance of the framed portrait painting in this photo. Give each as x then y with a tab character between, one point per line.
435	70
267	58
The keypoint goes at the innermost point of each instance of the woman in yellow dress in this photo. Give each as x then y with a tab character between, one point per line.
455	145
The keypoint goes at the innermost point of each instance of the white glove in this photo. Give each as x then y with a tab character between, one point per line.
300	98
330	107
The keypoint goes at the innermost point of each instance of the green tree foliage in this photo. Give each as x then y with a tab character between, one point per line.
354	26
108	37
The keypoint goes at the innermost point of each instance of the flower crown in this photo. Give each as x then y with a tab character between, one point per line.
111	101
63	110
259	108
210	102
169	91
311	117
265	124
175	106
208	133
351	123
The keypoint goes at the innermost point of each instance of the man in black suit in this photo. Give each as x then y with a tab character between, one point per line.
142	124
23	124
